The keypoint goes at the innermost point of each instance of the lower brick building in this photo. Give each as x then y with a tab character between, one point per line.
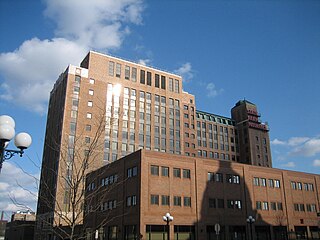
127	199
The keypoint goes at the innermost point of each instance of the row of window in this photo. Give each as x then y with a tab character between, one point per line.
165	171
165	200
215	119
219	203
298	186
218	177
299	207
265	206
272	183
159	81
132	172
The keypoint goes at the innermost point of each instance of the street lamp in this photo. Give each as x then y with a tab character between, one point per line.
251	220
167	218
7	132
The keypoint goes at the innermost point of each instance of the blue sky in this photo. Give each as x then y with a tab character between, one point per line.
265	51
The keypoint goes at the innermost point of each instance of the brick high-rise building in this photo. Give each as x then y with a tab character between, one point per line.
122	106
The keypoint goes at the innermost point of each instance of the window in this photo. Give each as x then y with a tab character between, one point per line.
277	183
142	77
89	115
293	185
177	201
154	199
210	176
154	170
170	84
111	68
279	205
218	177
118	70
165	171
212	203
299	185
90	92
271	183
127	72
220	203
186	173
177	172
263	182
258	205
91	81
90	103
265	206
256	181
156	79
149	78
165	200
176	86
187	201
88	128
273	206
163	82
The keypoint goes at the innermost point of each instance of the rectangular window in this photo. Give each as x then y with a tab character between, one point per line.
165	200
154	199
271	183
163	82
210	176
273	206
177	172
186	173
212	203
134	74
293	185
111	68
258	205
218	177
90	103
177	201
265	206
154	170
263	182
277	183
142	77
149	81
118	70
187	201
256	181
157	80
170	84
220	203
127	72
90	92
176	86
165	171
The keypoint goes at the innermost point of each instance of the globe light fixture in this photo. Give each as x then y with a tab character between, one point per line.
167	218
251	221
7	133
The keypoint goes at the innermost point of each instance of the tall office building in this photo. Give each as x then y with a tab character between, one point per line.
121	106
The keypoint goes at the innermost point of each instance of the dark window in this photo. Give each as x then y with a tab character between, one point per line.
177	172
154	170
142	77
186	173
149	78
157	79
163	82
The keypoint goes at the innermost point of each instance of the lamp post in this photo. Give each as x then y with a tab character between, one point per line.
7	132
167	218
251	220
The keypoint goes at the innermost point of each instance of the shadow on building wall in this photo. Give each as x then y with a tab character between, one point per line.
226	206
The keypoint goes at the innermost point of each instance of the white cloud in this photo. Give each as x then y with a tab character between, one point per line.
316	163
144	62
308	149
295	141
185	71
15	184
277	142
30	71
212	91
289	165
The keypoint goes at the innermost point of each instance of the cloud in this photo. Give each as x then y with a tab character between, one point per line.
277	142
316	163
212	91
144	62
295	141
308	149
289	165
185	71
15	184
30	71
